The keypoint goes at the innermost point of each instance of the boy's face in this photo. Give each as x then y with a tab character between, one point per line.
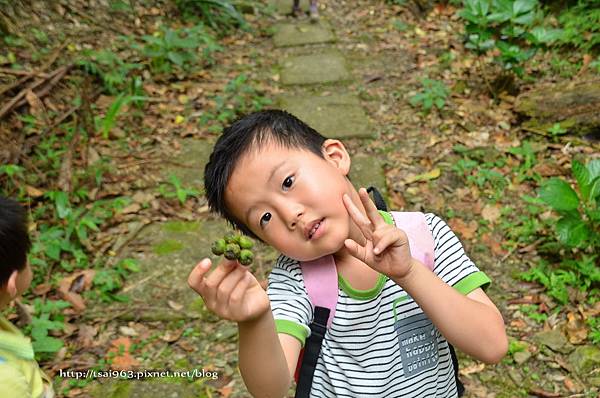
282	194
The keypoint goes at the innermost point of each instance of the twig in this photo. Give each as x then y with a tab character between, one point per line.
38	72
19	99
27	73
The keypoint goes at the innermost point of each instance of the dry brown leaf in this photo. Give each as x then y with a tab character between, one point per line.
33	191
576	330
466	231
175	305
122	359
491	213
172	335
475	368
86	334
70	287
36	107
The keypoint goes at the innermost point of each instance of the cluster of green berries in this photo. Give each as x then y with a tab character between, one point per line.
234	247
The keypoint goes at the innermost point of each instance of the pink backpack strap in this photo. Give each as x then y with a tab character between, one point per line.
321	281
420	238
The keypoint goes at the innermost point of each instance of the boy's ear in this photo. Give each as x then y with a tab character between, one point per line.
335	152
11	284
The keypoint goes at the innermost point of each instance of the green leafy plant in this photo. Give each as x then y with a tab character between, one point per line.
238	98
175	189
581	25
108	281
513	28
109	120
47	317
114	72
579	222
177	47
221	15
434	93
13	174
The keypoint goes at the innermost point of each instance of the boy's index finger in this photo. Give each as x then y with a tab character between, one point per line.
371	209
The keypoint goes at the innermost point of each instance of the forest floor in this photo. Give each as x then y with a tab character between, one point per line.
469	162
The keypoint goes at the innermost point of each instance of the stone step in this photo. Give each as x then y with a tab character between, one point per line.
327	67
302	33
335	115
366	171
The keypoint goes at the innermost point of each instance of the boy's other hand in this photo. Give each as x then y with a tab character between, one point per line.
386	249
230	290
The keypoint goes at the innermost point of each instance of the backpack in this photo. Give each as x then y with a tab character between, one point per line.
321	281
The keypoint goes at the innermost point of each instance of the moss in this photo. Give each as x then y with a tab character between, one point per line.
167	246
181	226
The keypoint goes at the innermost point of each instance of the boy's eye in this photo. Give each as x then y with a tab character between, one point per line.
287	183
265	219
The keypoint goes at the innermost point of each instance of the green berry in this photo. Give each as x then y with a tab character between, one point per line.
219	246
232	251
230	237
246	257
245	242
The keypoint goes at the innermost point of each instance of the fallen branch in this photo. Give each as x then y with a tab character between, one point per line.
49	82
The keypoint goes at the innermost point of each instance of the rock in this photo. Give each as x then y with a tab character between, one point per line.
521	356
573	105
297	34
335	116
585	358
555	340
327	67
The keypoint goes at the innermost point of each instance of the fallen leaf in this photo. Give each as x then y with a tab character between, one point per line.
122	358
69	287
42	289
86	334
576	330
176	306
475	368
172	335
127	331
225	391
430	175
33	191
491	213
466	231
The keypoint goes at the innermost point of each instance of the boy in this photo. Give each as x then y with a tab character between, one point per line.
20	375
280	181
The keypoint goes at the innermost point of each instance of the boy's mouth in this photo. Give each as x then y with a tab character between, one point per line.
313	228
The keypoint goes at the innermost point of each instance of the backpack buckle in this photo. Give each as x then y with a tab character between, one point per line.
319	324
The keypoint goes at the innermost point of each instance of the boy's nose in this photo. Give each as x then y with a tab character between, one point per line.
294	216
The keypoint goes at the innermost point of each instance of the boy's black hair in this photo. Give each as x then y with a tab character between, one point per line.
14	238
248	133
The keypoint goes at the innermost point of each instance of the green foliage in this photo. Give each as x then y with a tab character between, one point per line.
47	317
221	15
579	222
238	98
110	118
511	27
594	324
108	281
176	190
12	173
581	25
434	93
114	72
179	48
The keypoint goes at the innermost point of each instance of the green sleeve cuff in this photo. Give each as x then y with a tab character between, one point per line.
292	328
471	282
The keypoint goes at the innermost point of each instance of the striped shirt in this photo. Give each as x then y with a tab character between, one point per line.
380	343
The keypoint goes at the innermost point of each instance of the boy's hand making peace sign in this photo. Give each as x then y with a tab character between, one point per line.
386	249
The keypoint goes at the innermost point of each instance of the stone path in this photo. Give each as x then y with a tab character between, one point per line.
314	84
